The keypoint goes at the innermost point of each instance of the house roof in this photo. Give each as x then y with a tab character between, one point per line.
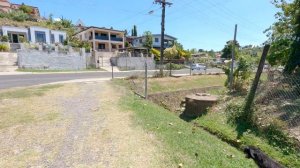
174	38
103	28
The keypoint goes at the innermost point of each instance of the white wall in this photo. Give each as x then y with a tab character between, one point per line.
32	33
56	35
6	29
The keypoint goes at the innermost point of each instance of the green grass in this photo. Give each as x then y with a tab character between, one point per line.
49	71
216	123
184	143
28	92
168	84
157	85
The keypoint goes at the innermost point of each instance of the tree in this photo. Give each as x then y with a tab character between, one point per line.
134	31
212	53
227	50
26	9
284	36
148	43
193	51
171	53
178	45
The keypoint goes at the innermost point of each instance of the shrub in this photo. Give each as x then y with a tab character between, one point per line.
22	39
19	16
4	48
26	9
174	66
4	38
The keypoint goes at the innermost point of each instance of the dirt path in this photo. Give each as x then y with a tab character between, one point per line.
88	130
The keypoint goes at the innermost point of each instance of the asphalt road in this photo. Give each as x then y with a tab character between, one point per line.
23	80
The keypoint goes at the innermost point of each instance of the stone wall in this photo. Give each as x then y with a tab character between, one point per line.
133	63
34	59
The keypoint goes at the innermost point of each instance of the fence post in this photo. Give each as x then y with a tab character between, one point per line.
112	71
170	64
146	80
190	68
251	95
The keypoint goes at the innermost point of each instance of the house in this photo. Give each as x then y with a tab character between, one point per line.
33	34
6	6
169	41
102	39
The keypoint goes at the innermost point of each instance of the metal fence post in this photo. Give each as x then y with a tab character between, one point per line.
146	80
112	71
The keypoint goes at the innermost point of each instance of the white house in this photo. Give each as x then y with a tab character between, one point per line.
33	34
168	41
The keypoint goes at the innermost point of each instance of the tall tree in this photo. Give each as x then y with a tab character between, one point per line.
284	36
149	40
134	31
227	50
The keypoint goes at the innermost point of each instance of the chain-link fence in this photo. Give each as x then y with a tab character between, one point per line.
278	99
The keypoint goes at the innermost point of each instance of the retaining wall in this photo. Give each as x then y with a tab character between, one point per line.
34	59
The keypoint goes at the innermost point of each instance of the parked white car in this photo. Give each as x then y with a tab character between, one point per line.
198	67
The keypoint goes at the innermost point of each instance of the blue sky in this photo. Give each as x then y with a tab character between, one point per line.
205	24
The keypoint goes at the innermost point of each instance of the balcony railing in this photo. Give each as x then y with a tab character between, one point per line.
101	37
116	39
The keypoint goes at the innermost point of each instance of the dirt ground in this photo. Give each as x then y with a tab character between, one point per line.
76	125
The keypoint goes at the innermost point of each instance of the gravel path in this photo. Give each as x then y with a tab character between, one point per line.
78	110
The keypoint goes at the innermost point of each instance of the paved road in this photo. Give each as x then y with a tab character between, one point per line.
10	81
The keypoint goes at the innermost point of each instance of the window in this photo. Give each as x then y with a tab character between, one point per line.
102	34
156	40
52	39
61	38
101	46
141	40
113	35
40	37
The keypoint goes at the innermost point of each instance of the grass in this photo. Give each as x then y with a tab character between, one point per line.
157	85
28	92
168	84
49	71
23	106
183	142
216	123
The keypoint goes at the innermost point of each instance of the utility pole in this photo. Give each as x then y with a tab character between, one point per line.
233	58
163	3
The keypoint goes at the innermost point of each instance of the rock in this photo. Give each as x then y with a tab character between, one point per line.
180	165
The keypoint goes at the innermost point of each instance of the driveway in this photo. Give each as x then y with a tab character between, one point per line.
75	125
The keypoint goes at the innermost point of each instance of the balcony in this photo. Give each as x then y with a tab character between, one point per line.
101	37
116	39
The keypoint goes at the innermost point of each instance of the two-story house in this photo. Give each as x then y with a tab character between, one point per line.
102	39
168	41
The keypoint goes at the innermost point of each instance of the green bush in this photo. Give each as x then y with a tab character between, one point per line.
4	48
16	15
175	66
4	38
19	16
22	39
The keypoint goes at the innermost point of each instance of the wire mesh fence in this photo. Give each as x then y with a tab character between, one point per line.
278	99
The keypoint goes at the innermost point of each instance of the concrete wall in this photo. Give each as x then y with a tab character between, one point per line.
133	63
34	59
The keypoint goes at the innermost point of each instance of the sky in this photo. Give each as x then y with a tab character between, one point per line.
201	24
